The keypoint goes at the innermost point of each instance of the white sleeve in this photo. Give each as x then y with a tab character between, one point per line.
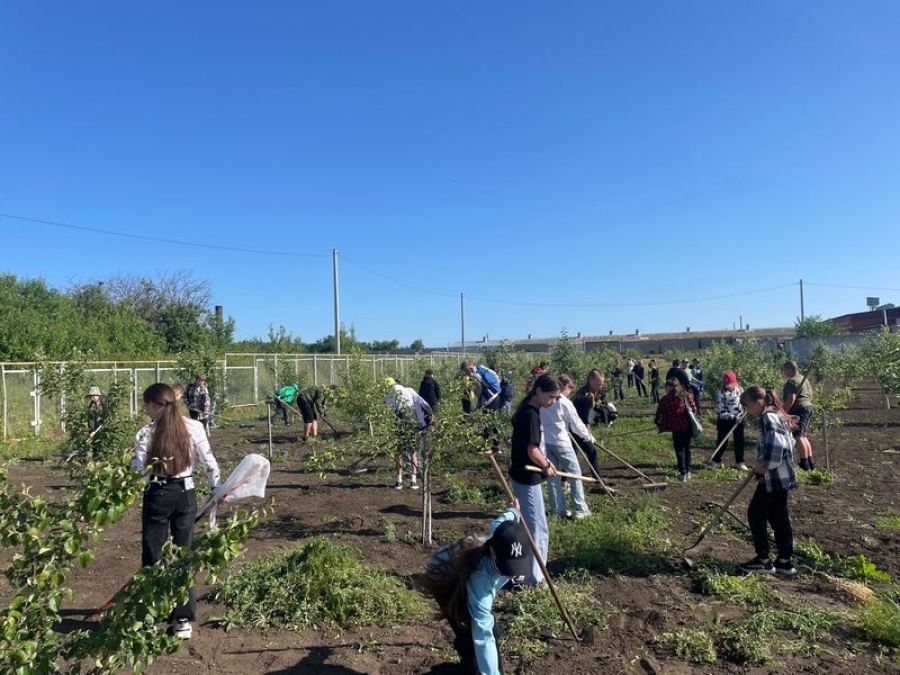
573	421
203	452
142	448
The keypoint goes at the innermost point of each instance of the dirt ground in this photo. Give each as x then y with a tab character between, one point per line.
355	508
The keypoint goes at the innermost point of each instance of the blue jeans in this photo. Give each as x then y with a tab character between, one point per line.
565	460
531	504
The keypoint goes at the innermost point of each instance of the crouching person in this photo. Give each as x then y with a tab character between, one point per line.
464	578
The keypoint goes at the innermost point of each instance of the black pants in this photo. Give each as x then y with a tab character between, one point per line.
723	427
771	508
681	441
282	409
641	387
588	448
169	508
307	410
654	391
465	647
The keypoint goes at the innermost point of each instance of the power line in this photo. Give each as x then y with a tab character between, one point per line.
851	288
217	247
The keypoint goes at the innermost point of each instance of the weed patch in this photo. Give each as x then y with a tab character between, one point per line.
856	567
880	620
490	495
531	615
889	520
695	646
319	584
747	589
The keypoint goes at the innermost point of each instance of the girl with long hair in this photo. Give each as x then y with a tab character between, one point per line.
775	478
166	450
671	415
464	578
526	449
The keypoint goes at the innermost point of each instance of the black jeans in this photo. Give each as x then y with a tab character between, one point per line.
681	441
772	508
723	427
588	448
654	391
641	387
282	409
465	647
168	507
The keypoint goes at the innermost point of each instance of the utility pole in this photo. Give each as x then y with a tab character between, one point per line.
462	322
337	303
802	315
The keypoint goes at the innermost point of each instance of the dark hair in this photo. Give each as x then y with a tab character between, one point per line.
769	396
170	446
565	381
675	363
544	383
791	367
448	587
429	372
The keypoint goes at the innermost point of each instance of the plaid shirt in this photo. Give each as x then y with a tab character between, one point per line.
671	415
776	452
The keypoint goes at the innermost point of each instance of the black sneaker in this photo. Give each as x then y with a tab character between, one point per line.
758	566
785	567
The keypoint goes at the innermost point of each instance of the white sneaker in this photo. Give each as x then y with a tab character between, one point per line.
181	628
399	484
413	484
580	515
741	467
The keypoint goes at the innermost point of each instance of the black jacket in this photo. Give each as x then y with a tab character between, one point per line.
430	390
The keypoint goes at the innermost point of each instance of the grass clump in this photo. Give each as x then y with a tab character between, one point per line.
856	567
756	639
531	615
815	477
880	620
889	520
617	538
490	495
695	646
745	589
319	584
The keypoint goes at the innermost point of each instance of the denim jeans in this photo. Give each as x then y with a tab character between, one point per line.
531	504
565	460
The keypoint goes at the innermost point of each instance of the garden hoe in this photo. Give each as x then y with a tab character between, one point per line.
587	635
562	474
610	493
737	421
715	519
649	485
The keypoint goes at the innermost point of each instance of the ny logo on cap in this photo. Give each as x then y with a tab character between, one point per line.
516	550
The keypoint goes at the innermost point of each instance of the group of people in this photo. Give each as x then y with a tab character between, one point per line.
309	400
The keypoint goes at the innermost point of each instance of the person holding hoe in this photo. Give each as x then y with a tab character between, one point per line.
311	402
464	578
285	395
526	450
166	451
775	479
671	415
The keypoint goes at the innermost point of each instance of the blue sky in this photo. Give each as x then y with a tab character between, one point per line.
581	166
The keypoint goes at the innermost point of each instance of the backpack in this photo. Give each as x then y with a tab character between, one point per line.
490	385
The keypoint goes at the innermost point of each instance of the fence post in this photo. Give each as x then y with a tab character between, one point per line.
36	422
5	402
134	391
255	380
62	401
225	378
374	376
315	370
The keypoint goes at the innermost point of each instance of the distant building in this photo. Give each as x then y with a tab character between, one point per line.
864	321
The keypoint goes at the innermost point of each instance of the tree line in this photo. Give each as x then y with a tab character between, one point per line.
129	316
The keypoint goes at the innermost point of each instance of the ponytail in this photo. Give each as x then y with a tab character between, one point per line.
170	447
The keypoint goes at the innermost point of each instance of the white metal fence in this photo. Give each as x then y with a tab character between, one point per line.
246	379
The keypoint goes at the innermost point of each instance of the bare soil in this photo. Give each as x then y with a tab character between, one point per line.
354	509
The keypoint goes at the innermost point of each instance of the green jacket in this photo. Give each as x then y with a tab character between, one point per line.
287	393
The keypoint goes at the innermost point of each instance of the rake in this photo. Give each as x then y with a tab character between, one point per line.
649	485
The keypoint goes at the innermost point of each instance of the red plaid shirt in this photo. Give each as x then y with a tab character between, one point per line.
671	415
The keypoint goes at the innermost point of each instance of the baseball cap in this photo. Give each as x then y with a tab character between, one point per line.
510	545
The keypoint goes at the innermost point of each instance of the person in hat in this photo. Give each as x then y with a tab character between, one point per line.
464	578
198	401
98	407
730	414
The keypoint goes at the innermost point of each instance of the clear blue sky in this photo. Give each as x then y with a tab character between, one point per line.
620	165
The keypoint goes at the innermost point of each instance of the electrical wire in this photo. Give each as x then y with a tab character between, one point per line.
216	247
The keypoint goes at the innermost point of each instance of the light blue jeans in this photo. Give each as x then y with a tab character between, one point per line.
531	504
565	460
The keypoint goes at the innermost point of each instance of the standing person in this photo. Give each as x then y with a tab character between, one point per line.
618	394
430	390
414	412
526	449
630	372
558	421
486	381
679	374
654	381
797	397
285	395
97	411
671	415
695	374
198	401
464	578
311	402
639	378
535	373
729	412
775	478
592	408
166	451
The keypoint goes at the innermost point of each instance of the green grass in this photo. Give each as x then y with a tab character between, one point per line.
318	584
856	567
459	492
691	645
746	589
624	537
889	520
880	620
531	615
32	447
